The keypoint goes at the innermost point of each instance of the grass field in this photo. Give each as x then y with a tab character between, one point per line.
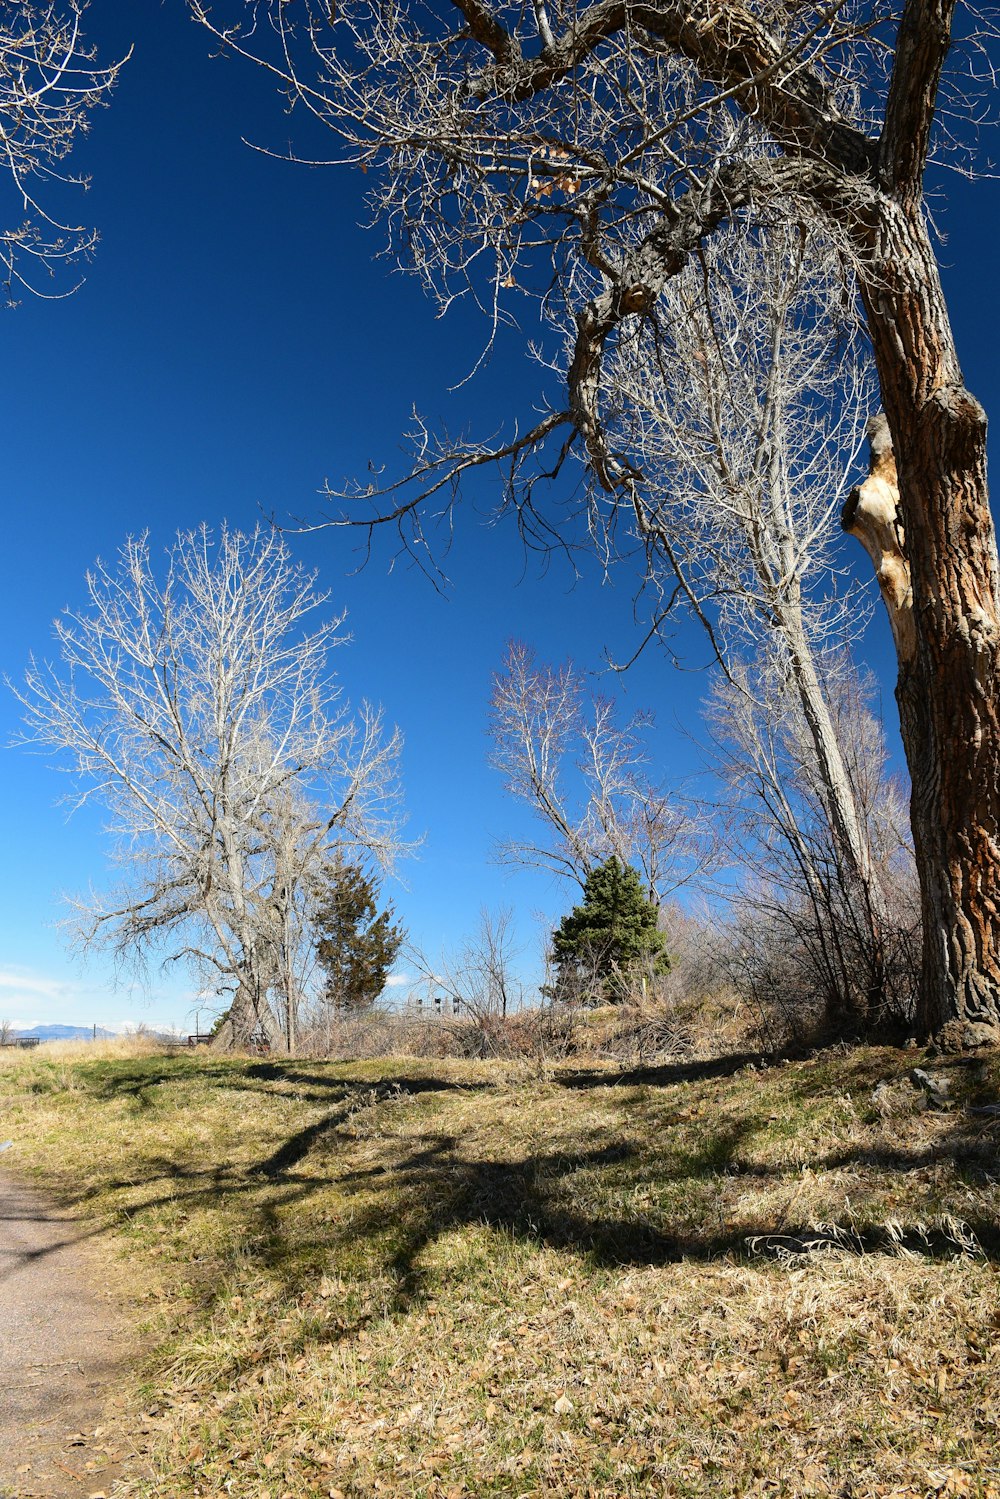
445	1278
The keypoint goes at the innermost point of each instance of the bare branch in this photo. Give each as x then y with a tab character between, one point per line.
50	85
565	753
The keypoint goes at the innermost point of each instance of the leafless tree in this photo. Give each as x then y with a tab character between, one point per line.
50	85
748	398
617	138
199	709
479	981
567	754
804	935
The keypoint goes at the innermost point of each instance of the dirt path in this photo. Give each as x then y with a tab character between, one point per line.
63	1348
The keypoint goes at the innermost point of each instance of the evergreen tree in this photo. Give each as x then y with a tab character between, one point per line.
355	942
611	938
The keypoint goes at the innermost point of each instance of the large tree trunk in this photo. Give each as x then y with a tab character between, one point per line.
949	686
249	1017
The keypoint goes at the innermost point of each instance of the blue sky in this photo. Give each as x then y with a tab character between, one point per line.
236	342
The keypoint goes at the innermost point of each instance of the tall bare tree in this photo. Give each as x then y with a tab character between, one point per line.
567	754
748	398
804	933
50	85
198	708
619	135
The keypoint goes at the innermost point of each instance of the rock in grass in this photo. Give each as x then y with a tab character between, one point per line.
937	1089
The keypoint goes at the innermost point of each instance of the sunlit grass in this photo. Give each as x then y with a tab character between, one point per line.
425	1278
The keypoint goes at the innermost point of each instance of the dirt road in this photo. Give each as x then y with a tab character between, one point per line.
63	1347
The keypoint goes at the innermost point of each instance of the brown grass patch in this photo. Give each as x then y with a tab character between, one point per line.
443	1278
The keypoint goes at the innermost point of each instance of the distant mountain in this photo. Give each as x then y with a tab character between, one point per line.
66	1033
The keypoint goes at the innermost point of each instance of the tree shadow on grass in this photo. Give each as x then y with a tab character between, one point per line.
532	1200
664	1074
140	1079
392	1210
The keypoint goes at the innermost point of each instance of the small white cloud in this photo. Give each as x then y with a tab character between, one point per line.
398	980
26	983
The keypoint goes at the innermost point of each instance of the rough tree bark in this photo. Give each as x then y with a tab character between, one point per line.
948	684
947	688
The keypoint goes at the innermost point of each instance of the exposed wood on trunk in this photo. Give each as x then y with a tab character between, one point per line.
872	515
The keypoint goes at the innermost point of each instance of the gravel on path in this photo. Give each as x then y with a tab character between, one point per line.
63	1348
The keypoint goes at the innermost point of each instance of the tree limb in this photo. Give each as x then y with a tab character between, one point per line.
921	48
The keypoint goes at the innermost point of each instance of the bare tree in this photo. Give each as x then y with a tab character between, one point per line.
565	752
479	981
620	137
803	936
748	398
200	711
50	85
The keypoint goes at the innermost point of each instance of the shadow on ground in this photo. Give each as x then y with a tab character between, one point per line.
615	1200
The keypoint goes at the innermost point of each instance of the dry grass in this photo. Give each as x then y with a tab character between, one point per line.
136	1044
444	1278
